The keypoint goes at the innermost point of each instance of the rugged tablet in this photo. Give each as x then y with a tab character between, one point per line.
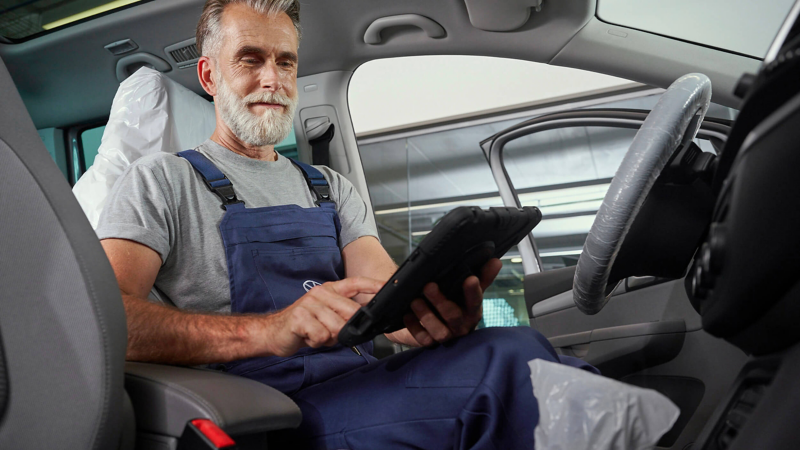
457	247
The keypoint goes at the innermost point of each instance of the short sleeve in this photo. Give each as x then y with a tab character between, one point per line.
138	210
353	212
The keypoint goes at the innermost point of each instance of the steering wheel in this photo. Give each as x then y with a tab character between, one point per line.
671	124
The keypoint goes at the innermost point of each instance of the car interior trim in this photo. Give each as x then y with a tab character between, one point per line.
373	34
783	32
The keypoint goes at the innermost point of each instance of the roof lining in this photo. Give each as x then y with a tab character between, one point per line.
67	77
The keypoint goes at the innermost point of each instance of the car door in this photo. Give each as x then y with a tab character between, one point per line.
648	334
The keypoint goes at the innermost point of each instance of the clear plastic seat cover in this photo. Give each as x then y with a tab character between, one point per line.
150	113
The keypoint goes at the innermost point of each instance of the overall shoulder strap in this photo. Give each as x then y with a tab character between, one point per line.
316	182
213	177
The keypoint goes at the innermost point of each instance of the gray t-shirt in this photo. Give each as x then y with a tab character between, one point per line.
161	201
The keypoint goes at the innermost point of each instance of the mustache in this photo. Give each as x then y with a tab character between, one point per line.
268	97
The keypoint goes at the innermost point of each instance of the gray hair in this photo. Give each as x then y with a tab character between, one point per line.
209	36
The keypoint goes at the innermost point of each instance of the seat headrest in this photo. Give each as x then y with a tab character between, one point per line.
150	113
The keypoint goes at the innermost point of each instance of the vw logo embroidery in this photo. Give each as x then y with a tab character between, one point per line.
308	284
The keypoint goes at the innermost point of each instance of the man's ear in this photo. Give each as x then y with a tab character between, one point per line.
206	74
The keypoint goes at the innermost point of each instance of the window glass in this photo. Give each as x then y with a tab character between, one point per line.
90	141
53	139
391	95
742	26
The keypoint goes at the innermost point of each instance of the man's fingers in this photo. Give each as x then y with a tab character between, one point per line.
312	331
489	272
319	336
319	316
448	310
350	287
417	331
324	298
439	331
330	319
473	300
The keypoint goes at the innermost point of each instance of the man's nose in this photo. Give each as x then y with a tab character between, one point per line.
270	76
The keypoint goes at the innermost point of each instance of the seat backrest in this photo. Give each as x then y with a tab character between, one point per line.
61	316
150	114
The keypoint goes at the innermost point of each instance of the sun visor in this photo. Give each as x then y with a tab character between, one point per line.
150	113
507	15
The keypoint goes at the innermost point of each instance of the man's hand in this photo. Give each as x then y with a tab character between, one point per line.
427	329
315	319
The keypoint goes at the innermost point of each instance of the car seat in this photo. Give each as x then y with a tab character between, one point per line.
64	382
61	316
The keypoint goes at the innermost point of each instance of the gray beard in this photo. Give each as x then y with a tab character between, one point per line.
269	128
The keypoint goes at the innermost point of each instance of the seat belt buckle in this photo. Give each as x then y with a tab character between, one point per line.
203	434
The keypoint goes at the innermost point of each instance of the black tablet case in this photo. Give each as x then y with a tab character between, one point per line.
457	247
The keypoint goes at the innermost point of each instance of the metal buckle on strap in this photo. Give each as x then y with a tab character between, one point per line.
323	194
225	193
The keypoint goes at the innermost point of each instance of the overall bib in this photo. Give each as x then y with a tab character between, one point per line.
473	392
275	255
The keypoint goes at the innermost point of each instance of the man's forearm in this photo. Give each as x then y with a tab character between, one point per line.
158	333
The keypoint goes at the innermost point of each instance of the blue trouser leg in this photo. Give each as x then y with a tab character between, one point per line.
472	393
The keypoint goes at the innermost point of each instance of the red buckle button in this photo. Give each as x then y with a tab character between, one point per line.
214	433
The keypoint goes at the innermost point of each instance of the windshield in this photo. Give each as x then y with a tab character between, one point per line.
20	19
741	26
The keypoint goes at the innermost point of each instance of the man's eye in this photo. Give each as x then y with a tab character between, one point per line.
250	61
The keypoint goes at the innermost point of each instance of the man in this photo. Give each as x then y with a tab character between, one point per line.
237	275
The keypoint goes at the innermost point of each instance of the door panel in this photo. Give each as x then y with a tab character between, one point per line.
650	337
667	301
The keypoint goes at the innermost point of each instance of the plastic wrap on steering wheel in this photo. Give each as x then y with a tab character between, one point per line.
672	123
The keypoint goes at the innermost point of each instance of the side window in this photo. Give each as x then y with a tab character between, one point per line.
90	143
53	139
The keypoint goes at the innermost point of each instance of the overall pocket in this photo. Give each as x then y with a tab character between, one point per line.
288	274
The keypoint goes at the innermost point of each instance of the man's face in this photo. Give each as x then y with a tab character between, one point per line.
256	75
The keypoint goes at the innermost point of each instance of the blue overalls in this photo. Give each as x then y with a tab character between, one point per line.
276	254
470	393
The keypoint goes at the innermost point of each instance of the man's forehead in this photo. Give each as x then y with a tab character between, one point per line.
242	26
